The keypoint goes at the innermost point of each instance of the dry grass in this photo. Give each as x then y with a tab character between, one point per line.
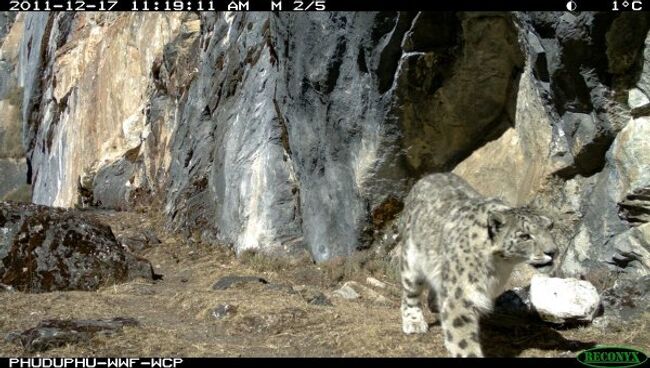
359	266
176	312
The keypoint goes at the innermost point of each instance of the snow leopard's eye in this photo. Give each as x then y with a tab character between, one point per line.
523	236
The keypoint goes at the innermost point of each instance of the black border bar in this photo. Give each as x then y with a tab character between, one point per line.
324	5
305	362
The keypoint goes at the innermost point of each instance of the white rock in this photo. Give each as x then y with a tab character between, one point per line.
347	292
376	283
636	98
374	296
354	290
557	300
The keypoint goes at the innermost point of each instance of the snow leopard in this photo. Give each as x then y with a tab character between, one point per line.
463	248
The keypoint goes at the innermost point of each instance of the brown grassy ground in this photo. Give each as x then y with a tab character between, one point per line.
176	319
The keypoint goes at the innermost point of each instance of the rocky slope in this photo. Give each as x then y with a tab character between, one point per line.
291	132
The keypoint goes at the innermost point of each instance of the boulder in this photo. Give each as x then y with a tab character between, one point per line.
315	297
46	249
224	310
376	283
281	287
564	300
137	240
347	292
54	333
354	290
227	282
636	98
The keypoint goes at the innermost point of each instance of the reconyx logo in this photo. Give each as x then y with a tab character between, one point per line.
612	356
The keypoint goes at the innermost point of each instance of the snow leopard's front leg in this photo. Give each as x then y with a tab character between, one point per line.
460	326
412	286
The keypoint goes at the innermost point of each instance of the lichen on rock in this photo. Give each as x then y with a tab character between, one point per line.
46	249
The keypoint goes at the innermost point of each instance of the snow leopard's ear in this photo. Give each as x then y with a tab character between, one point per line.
547	223
495	221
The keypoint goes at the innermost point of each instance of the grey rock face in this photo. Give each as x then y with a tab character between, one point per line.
241	103
13	165
612	202
279	113
73	122
589	55
6	21
13	179
630	250
631	166
627	299
111	184
46	249
572	151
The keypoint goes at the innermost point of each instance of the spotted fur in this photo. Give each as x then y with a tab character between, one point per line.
463	247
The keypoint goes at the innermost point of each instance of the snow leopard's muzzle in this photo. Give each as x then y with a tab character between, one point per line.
545	257
543	262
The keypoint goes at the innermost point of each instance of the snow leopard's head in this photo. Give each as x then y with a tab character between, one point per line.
521	235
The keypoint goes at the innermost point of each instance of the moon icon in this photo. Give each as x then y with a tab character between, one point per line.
571	5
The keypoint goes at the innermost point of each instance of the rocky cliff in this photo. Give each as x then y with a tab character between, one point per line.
13	165
290	132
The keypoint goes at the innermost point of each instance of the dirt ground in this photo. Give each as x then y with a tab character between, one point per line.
175	313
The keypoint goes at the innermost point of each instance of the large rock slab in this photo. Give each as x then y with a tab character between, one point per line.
46	249
630	159
54	333
561	300
630	251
